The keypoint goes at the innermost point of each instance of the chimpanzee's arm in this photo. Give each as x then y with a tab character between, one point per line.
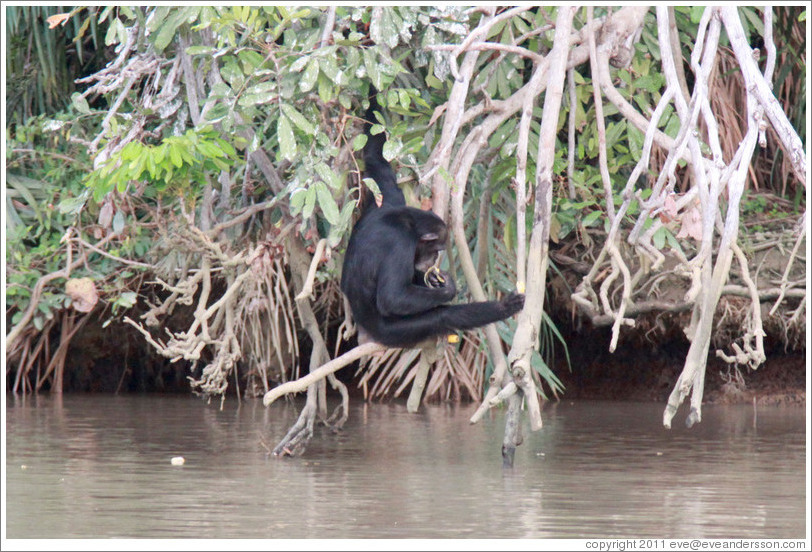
398	295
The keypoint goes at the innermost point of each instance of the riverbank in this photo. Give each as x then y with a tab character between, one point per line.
649	374
645	367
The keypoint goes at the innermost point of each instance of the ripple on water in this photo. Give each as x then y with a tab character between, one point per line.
100	467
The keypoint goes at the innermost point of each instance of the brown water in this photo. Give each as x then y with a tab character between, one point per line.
97	466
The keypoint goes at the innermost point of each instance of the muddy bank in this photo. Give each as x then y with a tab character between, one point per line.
119	361
648	372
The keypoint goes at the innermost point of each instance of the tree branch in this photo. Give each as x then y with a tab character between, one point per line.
307	288
599	120
758	85
525	339
320	373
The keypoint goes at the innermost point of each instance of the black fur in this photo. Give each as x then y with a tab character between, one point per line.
389	250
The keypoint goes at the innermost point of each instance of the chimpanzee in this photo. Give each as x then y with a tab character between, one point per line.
397	295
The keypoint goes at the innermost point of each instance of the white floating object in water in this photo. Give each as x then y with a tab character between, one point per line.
178	460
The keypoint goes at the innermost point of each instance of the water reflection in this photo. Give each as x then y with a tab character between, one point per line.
91	466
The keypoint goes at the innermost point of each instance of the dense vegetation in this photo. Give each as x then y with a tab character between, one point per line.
201	181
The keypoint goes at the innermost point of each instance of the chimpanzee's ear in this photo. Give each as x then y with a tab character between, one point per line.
431	236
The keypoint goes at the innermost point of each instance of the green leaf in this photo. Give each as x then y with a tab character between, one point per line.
299	64
750	13
613	132
327	203
261	88
310	75
209	149
337	230
659	237
372	186
160	153
391	148
200	50
391	98
112	34
672	126
325	89
118	221
166	32
672	241
330	68
126	299
651	82
175	155
287	141
247	100
80	103
72	205
309	202
131	151
636	140
226	147
591	218
359	142
509	235
328	175
232	74
298	119
405	101
251	61
372	69
385	30
297	198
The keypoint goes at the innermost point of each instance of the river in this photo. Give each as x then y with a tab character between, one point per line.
99	466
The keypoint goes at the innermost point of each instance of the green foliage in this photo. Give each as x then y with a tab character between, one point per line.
41	206
176	166
33	227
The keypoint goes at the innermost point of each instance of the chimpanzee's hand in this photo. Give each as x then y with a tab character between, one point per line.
436	278
441	282
513	303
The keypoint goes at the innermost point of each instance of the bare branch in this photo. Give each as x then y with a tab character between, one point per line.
525	339
759	86
483	46
749	356
429	354
307	288
790	261
320	373
599	120
571	135
329	25
482	31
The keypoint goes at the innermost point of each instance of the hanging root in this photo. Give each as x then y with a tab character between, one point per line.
298	436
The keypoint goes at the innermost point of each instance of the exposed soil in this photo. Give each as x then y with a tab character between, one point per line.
651	355
649	373
638	370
